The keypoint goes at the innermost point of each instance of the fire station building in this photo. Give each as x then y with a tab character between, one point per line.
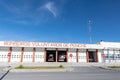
23	52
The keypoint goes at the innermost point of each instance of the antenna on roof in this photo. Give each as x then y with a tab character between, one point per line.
89	29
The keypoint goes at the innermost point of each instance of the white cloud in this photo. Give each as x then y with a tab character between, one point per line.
50	6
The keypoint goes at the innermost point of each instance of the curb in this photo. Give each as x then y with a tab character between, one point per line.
114	69
42	70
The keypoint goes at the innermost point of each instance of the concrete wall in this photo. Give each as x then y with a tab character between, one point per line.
82	56
28	55
71	55
3	54
99	56
39	55
16	54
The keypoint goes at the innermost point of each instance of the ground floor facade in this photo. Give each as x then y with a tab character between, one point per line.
11	51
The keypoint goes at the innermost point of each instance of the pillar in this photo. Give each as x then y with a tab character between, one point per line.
9	54
22	54
45	52
77	55
56	54
96	55
33	58
67	55
87	55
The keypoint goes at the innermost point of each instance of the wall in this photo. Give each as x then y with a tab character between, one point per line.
39	55
82	56
28	55
99	56
71	55
117	55
3	54
16	54
111	55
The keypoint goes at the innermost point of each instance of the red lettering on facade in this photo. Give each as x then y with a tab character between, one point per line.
37	44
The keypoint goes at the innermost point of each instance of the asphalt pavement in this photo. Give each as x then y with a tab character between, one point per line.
1	71
78	73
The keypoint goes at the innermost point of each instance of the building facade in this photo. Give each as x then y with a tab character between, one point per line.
11	51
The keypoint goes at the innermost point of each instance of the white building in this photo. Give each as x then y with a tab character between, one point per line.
11	51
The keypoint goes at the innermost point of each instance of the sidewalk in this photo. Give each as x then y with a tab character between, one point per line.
60	63
68	66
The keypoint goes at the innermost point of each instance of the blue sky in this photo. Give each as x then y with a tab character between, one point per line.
59	20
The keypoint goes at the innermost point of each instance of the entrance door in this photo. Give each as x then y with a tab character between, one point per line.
51	56
92	56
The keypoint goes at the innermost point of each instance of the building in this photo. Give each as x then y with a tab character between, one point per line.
11	51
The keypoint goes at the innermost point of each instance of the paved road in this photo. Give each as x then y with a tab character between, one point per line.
1	71
79	73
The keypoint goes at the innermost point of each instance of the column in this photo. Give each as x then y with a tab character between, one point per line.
87	55
77	55
67	55
45	52
9	54
33	58
22	54
56	54
96	55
